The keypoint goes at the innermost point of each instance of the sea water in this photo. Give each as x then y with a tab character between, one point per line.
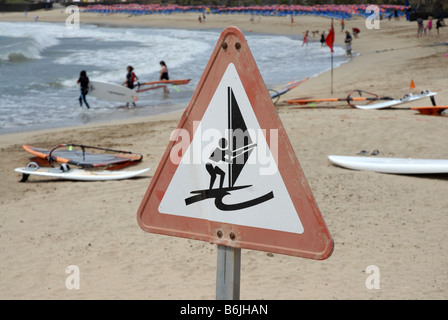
40	64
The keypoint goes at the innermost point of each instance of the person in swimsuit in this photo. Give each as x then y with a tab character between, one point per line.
438	25
164	74
83	81
130	78
429	25
305	38
322	39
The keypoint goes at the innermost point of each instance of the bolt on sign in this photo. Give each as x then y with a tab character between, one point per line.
229	175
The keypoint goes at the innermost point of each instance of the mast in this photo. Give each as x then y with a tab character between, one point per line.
230	131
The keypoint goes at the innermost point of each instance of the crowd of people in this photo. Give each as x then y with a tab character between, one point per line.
423	30
348	37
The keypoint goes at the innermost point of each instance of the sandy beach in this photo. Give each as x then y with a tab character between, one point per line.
397	223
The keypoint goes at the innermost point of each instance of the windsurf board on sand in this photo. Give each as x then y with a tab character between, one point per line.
76	155
391	165
112	92
289	87
432	111
349	98
65	172
406	98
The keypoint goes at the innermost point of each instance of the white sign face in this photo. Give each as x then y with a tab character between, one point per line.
228	173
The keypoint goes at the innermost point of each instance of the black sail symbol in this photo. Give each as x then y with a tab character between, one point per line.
239	139
240	146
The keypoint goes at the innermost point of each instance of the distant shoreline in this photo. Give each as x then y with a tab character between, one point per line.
120	23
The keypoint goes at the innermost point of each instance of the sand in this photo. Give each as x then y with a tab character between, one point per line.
396	223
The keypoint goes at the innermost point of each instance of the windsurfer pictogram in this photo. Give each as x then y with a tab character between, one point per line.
233	151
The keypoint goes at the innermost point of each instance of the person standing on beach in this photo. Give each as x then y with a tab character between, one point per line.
83	82
322	39
342	25
164	74
305	38
429	25
163	71
130	80
348	43
420	27
438	25
396	15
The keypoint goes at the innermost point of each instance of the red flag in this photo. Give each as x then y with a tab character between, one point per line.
330	38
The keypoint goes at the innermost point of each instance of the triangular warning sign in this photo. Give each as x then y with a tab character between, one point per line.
229	175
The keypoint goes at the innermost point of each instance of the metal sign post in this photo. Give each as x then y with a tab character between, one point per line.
228	273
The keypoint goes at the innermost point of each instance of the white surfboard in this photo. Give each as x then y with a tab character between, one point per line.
392	165
77	174
390	103
112	92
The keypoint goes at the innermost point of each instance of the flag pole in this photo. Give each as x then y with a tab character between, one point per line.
332	63
332	73
329	40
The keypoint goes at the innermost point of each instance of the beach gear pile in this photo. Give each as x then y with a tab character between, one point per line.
330	11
